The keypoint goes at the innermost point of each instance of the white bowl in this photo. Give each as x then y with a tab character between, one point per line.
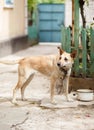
85	94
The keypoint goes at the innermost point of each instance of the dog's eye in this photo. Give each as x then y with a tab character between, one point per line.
65	59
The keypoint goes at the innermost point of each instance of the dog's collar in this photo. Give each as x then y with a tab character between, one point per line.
65	73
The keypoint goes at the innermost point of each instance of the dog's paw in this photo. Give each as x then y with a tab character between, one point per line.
24	99
70	100
53	102
14	102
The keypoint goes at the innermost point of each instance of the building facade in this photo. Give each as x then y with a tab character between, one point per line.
13	26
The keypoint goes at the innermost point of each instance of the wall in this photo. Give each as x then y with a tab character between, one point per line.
13	23
68	13
89	12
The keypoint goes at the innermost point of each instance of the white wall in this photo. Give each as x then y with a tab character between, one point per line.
89	13
68	12
13	21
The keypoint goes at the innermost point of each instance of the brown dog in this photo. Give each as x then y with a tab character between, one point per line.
57	67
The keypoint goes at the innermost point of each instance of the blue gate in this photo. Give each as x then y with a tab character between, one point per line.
50	19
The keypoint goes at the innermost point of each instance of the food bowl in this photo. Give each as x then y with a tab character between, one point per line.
85	94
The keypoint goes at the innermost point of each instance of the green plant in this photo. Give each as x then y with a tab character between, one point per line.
31	4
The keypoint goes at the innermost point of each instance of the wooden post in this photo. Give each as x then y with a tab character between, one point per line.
76	35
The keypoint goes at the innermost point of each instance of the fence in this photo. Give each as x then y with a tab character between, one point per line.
84	62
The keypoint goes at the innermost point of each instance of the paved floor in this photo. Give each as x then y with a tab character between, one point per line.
36	113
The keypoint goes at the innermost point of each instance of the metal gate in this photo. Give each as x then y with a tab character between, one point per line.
50	19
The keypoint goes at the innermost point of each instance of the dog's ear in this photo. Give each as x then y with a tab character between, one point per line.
73	54
60	50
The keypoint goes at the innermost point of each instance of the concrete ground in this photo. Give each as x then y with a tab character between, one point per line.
37	113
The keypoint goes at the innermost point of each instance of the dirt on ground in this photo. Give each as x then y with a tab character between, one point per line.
37	113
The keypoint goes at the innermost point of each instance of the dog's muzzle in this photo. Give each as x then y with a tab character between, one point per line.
62	68
59	65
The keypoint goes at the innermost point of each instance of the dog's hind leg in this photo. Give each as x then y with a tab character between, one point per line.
18	86
21	81
52	87
25	84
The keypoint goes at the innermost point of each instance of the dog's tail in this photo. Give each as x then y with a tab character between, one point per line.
10	62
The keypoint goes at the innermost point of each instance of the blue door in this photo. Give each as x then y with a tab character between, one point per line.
51	17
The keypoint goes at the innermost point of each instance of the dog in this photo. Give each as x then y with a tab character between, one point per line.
57	67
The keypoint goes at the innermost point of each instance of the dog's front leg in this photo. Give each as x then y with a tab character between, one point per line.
52	85
66	86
